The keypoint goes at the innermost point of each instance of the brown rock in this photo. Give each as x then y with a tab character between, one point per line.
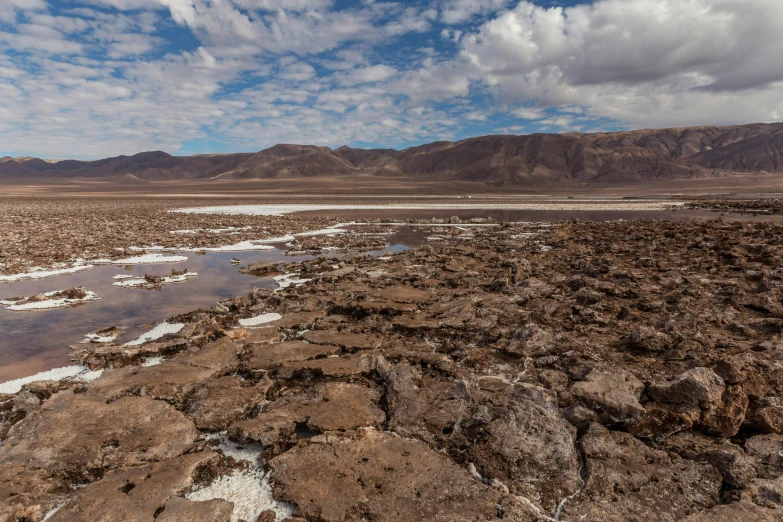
346	340
616	394
737	468
81	435
170	381
630	481
346	366
179	509
143	493
381	477
218	403
403	294
649	339
731	370
324	407
725	418
268	356
768	452
735	512
657	423
696	387
767	416
532	341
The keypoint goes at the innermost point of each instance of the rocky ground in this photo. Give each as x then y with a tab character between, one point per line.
580	372
767	206
58	232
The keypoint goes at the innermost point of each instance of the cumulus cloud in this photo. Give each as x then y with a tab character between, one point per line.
104	77
682	60
458	11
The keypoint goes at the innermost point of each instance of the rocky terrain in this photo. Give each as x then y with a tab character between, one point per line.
756	207
578	372
506	160
57	233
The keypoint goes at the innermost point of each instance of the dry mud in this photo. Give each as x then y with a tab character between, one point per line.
579	372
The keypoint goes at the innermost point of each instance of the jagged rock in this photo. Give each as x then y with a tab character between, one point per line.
269	356
146	493
324	407
532	341
179	509
336	367
731	370
649	339
580	416
616	394
346	340
768	451
657	423
379	476
767	416
735	512
630	481
82	435
695	387
725	418
170	381
221	401
737	468
514	433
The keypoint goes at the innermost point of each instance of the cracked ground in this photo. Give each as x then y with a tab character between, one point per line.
581	372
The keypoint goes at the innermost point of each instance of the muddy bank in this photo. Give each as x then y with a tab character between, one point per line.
584	371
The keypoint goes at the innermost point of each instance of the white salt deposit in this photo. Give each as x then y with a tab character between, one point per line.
244	452
48	304
152	361
38	273
145	259
95	337
238	247
250	492
78	372
260	319
287	280
156	333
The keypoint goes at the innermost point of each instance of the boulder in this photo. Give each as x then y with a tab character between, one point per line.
615	394
381	477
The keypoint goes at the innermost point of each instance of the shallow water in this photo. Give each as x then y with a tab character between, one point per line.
37	341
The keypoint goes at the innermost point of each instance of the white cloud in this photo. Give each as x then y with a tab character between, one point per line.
645	62
103	81
458	11
370	74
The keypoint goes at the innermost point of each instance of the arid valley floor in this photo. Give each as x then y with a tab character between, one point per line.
392	359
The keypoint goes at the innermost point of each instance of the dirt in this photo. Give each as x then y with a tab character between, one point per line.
628	370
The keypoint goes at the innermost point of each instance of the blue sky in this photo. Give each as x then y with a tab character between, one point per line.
98	78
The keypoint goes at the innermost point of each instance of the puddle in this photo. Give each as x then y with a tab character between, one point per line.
37	341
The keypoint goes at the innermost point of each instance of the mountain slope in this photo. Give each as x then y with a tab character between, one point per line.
535	159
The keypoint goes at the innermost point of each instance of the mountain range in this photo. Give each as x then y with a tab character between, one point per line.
498	160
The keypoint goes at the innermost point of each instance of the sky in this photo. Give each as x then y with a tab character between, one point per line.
98	78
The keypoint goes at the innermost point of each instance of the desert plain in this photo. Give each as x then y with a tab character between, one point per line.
398	358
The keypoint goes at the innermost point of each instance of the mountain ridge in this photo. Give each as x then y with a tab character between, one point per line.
495	160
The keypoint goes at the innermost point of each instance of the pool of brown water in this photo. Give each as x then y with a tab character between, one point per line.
36	341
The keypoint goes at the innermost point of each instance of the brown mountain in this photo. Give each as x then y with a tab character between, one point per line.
535	159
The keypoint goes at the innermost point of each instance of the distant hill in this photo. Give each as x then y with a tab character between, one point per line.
502	160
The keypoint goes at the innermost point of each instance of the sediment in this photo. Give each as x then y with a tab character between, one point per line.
577	372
